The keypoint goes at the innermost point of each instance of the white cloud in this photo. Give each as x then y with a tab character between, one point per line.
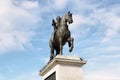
103	75
14	34
77	21
6	8
29	4
103	72
106	17
110	20
104	49
103	68
103	59
60	4
75	27
113	24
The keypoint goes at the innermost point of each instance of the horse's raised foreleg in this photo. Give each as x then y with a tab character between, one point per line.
70	43
72	40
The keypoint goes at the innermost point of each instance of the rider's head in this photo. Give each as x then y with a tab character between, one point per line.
58	18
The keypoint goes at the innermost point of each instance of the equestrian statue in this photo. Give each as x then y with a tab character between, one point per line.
61	35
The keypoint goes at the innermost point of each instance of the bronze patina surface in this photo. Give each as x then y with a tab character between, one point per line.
61	35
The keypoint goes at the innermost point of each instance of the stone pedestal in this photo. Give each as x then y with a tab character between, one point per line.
63	68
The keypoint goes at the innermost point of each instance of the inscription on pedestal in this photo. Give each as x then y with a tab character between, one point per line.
51	77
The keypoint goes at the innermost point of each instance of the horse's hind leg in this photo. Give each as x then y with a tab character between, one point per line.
51	54
57	52
51	50
61	47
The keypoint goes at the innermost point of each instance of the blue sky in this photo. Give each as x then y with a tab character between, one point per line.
25	29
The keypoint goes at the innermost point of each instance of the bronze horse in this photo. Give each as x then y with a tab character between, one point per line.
62	36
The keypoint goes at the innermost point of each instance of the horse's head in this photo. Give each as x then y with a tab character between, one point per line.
69	18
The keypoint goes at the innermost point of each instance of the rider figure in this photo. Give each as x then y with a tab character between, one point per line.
56	25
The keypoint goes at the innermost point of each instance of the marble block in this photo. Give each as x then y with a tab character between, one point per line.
63	68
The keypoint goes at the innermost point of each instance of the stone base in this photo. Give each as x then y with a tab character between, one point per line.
63	68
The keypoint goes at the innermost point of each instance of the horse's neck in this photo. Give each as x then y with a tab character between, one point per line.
64	24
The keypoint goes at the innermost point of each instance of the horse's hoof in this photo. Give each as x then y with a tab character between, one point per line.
70	49
60	53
